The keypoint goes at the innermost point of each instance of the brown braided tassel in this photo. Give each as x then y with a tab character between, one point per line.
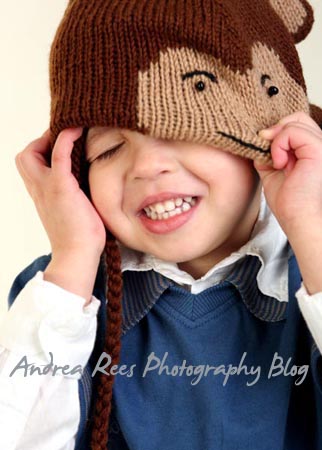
99	434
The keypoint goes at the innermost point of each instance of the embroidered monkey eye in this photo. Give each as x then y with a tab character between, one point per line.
200	85
272	90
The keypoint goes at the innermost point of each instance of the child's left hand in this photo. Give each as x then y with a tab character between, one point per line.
293	190
293	185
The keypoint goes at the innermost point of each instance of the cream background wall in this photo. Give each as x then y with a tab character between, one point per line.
26	31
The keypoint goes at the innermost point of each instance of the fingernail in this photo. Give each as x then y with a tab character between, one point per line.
266	132
269	131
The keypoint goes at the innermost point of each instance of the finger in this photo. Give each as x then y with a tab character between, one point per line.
279	153
31	162
271	179
61	155
262	166
290	163
299	140
47	133
21	168
300	117
270	133
28	181
43	153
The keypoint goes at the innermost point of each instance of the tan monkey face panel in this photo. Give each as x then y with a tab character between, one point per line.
192	96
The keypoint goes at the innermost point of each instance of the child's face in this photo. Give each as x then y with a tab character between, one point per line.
145	171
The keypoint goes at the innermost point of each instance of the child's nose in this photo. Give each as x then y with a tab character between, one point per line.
153	157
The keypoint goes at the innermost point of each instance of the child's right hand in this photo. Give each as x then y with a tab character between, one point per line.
74	228
69	218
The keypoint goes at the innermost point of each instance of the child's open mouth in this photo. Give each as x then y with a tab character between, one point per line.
169	208
169	215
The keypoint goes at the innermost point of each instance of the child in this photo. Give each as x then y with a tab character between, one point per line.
175	101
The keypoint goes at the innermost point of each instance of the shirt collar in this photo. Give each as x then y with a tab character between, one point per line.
142	289
268	242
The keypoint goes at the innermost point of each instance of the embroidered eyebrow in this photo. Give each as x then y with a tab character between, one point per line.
211	76
264	78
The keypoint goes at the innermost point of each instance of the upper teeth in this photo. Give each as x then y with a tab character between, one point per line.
170	205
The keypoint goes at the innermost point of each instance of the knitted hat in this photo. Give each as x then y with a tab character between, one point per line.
207	71
210	71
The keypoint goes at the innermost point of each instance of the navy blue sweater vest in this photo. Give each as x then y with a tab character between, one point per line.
226	369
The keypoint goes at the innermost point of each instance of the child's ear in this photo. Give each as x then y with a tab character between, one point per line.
297	15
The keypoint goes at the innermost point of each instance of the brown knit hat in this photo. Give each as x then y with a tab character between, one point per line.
210	71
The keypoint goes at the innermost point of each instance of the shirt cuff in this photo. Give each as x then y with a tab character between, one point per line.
50	324
311	309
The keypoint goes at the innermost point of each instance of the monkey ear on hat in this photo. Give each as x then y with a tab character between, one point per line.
297	15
